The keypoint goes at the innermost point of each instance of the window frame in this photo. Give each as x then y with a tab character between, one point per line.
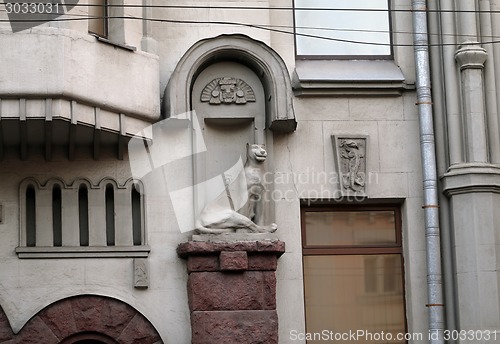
346	57
364	250
395	248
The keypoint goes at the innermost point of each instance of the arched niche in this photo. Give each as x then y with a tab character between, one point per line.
229	101
255	55
240	90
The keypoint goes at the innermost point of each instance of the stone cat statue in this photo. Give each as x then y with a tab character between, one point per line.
217	218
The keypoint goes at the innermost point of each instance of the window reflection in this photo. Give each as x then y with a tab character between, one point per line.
354	292
350	228
351	28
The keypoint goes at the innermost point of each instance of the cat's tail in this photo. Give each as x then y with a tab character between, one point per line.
206	230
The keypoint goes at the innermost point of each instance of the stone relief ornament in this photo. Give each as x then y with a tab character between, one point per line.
218	218
351	162
227	90
141	273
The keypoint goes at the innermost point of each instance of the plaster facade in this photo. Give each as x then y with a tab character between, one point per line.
71	103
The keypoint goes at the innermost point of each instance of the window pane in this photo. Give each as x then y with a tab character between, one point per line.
350	228
354	292
97	17
366	32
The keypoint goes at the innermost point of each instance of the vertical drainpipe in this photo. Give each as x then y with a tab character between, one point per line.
429	170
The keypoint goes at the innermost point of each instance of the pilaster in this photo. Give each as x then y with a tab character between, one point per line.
471	58
474	193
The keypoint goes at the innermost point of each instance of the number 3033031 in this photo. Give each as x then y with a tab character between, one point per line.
31	8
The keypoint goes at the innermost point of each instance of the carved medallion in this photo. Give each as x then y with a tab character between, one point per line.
351	162
227	90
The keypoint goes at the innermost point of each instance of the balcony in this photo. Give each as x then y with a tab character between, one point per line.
64	89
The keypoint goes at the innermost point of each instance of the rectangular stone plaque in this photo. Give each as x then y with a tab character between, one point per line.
141	273
350	155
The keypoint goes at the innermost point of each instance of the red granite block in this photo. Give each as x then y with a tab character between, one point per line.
102	315
242	327
139	331
36	332
59	317
208	291
233	261
262	262
5	329
200	247
203	263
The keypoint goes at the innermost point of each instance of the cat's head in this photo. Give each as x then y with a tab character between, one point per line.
256	152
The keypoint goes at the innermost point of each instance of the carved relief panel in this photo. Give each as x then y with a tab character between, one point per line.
350	153
227	90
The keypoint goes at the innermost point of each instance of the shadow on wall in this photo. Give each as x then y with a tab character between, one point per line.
83	319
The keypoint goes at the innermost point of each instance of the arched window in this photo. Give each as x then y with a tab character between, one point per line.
136	215
83	214
57	214
110	215
30	216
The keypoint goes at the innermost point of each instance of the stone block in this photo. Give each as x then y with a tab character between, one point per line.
59	318
243	327
37	333
249	290
262	262
5	330
199	248
138	331
233	261
203	263
99	314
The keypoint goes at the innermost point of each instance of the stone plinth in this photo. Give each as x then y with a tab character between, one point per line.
232	289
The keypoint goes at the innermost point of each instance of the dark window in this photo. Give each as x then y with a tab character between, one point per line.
30	216
57	214
110	215
83	213
136	215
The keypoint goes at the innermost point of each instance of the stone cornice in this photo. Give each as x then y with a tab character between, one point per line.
273	247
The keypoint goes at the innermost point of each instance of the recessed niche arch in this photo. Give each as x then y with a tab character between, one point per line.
240	91
255	55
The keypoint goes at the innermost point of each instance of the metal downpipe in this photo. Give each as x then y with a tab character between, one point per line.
429	172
